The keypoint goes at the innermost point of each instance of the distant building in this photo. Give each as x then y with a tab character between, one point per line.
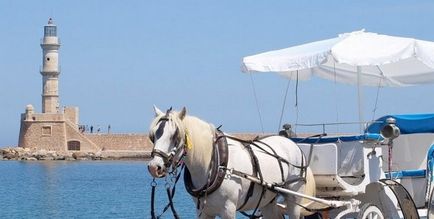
58	129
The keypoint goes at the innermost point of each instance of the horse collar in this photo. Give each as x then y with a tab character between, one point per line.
219	162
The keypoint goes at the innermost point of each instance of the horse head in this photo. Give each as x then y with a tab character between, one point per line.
168	137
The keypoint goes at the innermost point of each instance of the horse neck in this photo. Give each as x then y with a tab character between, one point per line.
199	155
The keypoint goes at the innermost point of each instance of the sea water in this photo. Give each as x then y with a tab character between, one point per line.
84	189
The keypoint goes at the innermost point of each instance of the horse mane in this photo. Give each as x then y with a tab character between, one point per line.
201	134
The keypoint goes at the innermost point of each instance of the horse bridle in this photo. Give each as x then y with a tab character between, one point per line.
175	155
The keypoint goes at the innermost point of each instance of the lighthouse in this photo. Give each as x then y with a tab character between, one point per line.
58	130
50	69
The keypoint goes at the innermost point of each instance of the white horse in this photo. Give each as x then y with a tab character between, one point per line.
172	132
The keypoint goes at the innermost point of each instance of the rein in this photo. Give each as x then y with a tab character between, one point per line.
170	194
279	158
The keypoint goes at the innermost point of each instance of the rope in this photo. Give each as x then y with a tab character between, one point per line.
257	103
390	159
376	101
378	93
284	104
296	104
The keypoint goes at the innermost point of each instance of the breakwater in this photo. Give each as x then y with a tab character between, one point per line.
18	153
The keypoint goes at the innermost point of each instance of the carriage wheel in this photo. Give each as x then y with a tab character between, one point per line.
370	211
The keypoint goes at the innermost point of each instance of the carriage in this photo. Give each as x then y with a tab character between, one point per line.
361	167
357	167
394	151
384	172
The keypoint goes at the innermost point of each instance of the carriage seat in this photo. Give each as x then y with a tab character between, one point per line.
324	159
340	155
338	163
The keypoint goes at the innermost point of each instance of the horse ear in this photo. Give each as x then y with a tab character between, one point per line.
182	113
157	111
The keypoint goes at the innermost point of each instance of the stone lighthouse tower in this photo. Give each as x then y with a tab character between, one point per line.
50	69
58	129
53	129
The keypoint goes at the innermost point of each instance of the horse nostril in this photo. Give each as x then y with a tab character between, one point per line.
158	168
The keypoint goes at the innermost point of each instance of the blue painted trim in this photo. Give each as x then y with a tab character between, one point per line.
407	174
407	123
430	162
373	137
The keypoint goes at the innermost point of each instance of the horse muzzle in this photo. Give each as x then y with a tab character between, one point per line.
157	171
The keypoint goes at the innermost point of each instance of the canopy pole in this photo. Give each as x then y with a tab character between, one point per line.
336	95
360	98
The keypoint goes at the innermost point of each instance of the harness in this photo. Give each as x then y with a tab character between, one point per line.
257	173
218	172
177	152
219	162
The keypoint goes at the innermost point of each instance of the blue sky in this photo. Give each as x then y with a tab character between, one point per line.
118	58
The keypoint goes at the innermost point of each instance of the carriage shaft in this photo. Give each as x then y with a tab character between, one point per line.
351	204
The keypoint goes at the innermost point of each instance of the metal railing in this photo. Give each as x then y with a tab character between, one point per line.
325	125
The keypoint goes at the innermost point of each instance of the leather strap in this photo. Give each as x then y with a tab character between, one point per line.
220	157
254	173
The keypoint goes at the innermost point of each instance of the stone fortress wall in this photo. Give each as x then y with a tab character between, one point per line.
60	132
129	142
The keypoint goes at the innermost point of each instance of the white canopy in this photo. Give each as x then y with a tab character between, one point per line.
380	60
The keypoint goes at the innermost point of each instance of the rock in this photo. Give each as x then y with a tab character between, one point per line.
41	153
31	159
60	157
79	154
83	158
47	158
69	158
10	154
19	150
38	157
51	154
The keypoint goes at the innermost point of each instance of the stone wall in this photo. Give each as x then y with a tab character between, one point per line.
71	114
52	132
73	134
43	135
127	142
133	142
